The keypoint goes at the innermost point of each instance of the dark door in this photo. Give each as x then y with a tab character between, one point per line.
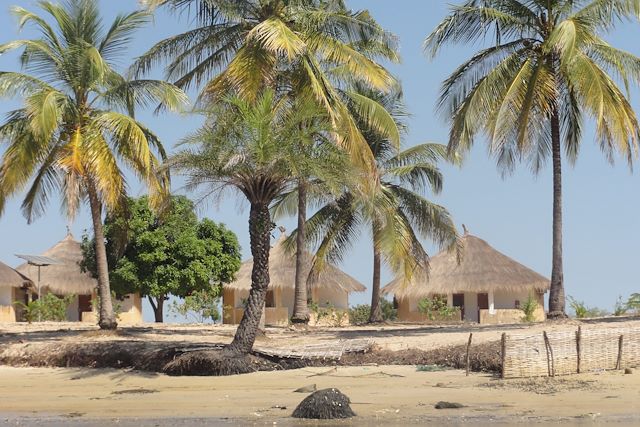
483	303
84	305
458	301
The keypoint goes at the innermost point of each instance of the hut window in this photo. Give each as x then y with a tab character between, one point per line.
270	300
517	303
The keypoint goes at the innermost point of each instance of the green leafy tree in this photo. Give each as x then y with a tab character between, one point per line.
76	130
397	214
530	91
249	147
169	254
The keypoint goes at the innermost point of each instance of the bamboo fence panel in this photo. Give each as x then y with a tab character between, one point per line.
530	355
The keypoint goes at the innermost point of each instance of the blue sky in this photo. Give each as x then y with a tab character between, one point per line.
601	204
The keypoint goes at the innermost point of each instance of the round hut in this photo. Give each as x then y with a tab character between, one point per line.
486	285
330	289
67	278
14	287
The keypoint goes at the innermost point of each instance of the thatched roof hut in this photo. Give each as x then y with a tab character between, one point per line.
282	268
482	269
10	278
65	278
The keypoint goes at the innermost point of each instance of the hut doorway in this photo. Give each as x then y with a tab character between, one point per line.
458	301
84	305
483	303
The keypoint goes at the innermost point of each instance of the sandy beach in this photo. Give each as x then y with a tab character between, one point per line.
395	395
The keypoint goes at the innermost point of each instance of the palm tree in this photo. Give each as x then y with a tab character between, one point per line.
397	214
530	92
70	136
250	147
301	48
323	171
298	47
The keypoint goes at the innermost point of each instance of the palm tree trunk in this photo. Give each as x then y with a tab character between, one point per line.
376	311
556	293
300	309
260	233
107	317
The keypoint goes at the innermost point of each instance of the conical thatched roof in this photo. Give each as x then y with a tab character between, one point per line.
282	269
65	278
481	269
10	278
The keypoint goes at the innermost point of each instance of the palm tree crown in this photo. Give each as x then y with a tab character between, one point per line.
397	213
549	57
251	147
299	47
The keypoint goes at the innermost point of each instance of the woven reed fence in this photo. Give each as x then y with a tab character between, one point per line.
569	352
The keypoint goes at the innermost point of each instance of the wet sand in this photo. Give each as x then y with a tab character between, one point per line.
393	395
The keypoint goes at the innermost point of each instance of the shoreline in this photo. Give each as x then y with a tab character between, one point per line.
389	394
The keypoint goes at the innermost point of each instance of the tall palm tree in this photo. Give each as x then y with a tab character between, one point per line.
76	129
250	147
322	172
529	92
298	47
396	214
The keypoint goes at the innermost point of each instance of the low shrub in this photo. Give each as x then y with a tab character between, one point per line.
360	314
529	308
436	308
47	308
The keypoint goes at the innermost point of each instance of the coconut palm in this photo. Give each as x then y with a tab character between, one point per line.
299	47
396	214
302	48
529	92
251	147
324	171
76	130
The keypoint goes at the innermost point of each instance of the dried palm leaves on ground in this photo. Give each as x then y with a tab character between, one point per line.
198	359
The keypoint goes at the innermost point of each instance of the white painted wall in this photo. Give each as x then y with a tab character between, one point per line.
6	295
337	299
508	299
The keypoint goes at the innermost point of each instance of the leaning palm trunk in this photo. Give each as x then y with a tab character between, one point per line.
107	317
376	312
300	308
260	236
556	293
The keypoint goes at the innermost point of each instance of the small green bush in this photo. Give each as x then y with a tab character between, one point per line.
199	307
582	311
360	314
620	308
436	308
47	308
633	303
529	308
335	316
